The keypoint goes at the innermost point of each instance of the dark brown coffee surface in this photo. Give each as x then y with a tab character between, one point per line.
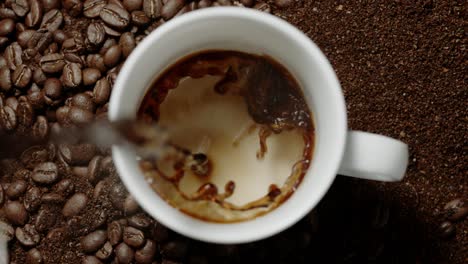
402	65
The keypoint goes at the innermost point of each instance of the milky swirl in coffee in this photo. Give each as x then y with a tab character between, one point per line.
215	103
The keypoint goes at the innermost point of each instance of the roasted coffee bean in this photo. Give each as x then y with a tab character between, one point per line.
117	195
7	26
35	14
25	114
115	16
95	34
146	254
40	40
75	205
127	43
456	210
90	76
71	75
73	45
5	79
32	199
107	45
53	88
52	63
117	3
40	129
124	253
112	56
98	189
264	7
20	27
92	8
16	189
65	187
31	54
95	171
45	173
115	232
225	2
62	115
7	231
77	154
108	165
111	32
160	233
8	120
132	5
152	8
205	3
7	13
52	198
27	236
170	9
56	233
283	3
81	172
59	36
38	76
21	76
51	4
20	7
247	3
22	174
83	101
175	249
130	206
74	58
140	221
139	18
96	61
24	37
105	252
93	241
133	237
36	99
101	92
446	229
16	213
45	219
33	156
13	54
74	7
52	48
91	260
34	256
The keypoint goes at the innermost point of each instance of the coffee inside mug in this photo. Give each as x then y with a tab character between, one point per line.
246	117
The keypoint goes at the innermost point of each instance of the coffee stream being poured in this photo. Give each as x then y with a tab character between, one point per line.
213	103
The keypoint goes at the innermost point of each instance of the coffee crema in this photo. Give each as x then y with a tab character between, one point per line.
247	115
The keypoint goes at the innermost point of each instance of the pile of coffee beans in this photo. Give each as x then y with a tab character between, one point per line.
58	62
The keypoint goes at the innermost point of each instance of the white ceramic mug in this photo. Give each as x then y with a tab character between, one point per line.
337	150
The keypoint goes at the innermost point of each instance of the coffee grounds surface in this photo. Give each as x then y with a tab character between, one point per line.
402	65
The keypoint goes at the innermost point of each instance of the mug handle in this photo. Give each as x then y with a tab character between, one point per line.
374	157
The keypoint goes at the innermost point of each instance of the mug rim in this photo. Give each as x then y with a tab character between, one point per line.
279	24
